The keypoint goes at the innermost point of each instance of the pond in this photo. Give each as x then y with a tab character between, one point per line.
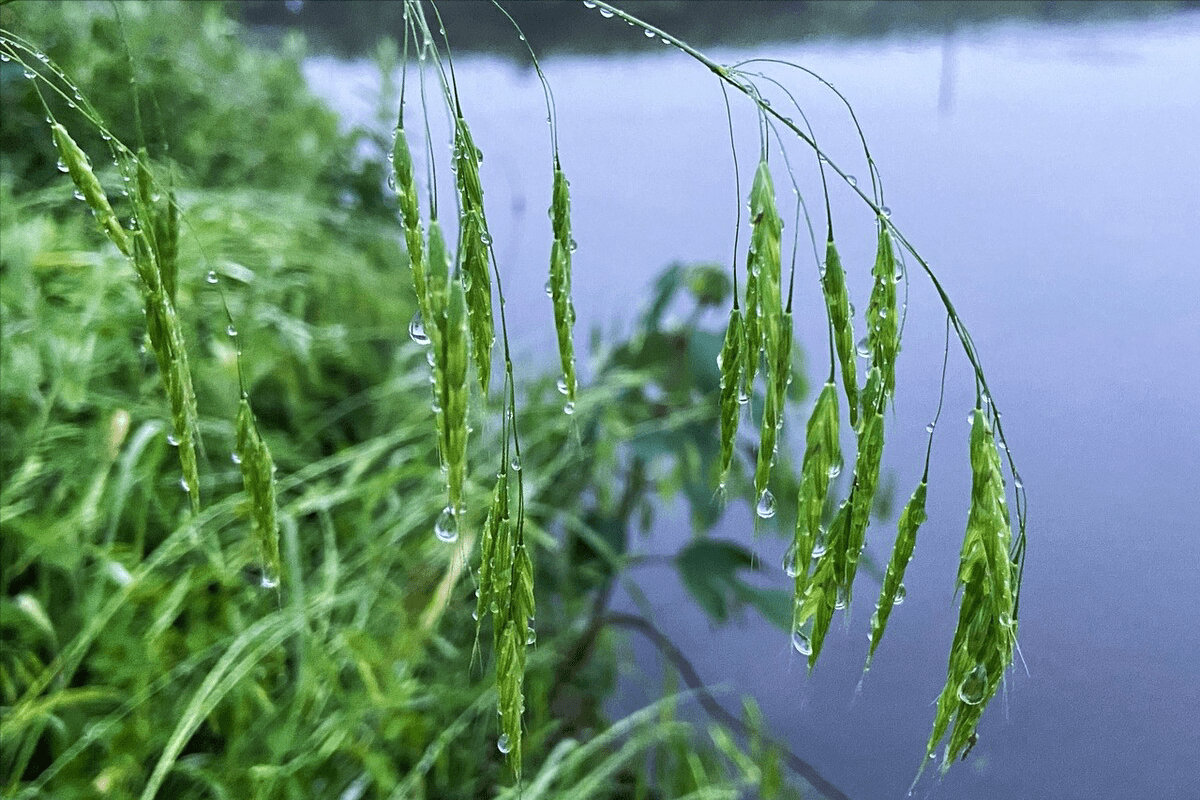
1051	177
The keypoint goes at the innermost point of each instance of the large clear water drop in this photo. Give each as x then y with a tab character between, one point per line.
416	330
446	527
766	505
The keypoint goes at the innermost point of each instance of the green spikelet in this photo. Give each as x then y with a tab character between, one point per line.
882	331
448	333
823	594
473	253
170	352
831	585
866	478
258	476
80	168
892	591
166	237
162	230
822	456
838	301
730	364
765	252
752	328
490	539
560	280
985	638
410	213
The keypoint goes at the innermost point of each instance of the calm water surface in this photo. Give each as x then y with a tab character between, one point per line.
1052	178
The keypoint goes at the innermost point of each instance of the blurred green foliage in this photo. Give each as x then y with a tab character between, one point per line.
136	637
222	113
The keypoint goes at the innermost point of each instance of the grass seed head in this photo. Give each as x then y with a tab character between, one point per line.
822	459
985	638
474	262
560	280
406	193
838	301
731	377
258	476
80	169
882	325
906	540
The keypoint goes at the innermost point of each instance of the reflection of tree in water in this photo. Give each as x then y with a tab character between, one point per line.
354	26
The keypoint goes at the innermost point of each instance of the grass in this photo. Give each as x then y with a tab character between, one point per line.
286	623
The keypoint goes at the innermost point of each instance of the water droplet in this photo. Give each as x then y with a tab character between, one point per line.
790	567
231	331
562	384
820	545
530	637
416	330
743	395
29	73
172	440
572	245
78	195
485	238
649	33
588	4
835	469
502	744
235	458
885	212
766	505
62	167
974	686
929	428
898	597
843	598
211	277
801	643
515	464
183	484
549	289
863	348
446	527
1018	484
853	181
269	581
606	13
569	408
971	417
5	57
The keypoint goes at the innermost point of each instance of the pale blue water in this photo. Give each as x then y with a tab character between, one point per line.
1056	191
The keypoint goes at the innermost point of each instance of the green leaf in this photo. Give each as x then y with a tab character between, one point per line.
708	568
